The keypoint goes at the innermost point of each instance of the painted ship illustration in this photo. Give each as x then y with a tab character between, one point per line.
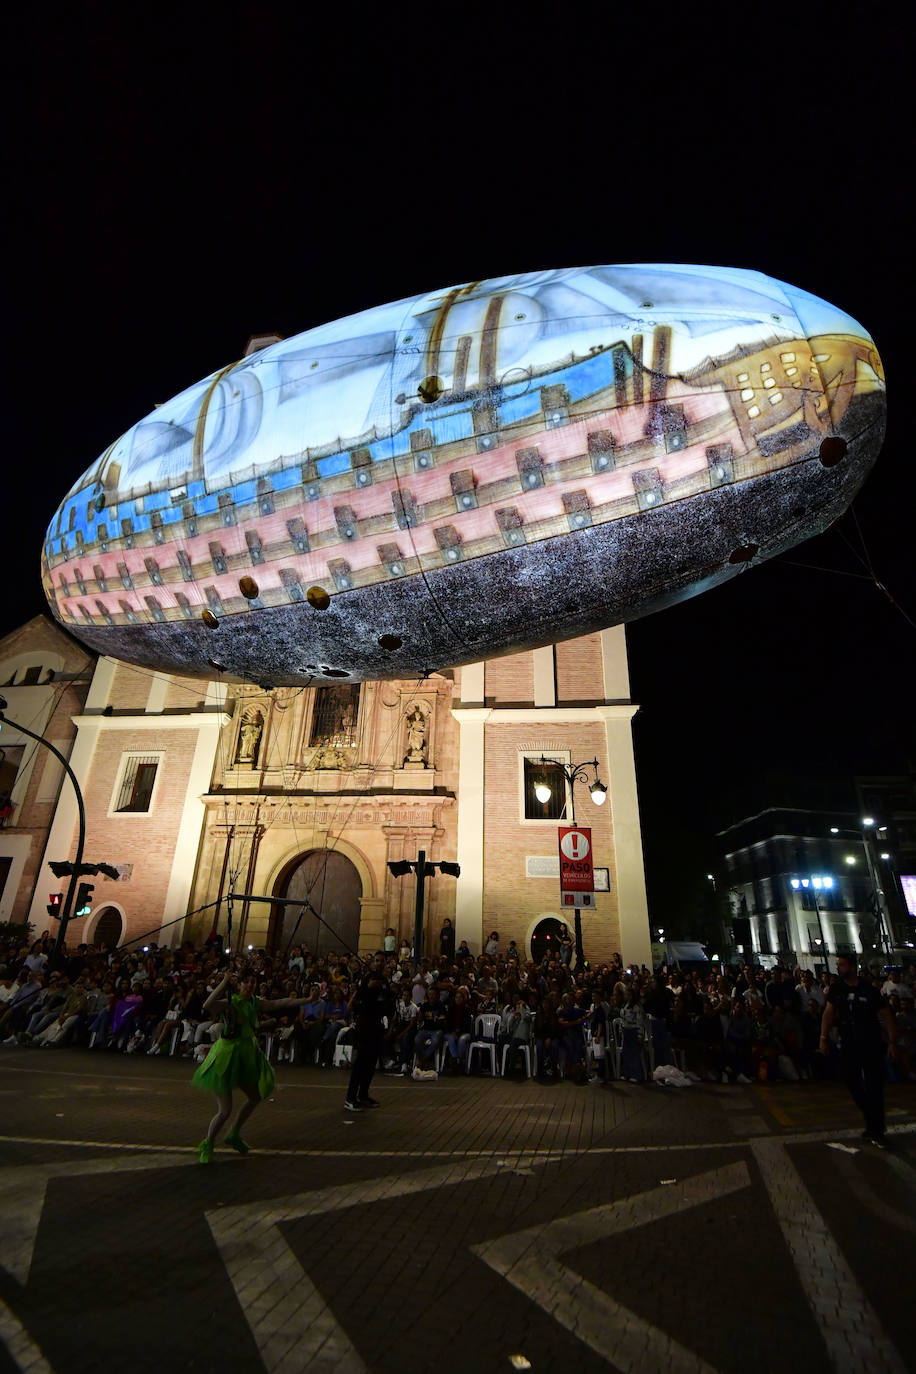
469	473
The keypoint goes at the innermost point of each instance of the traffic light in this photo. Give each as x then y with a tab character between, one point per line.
84	899
55	904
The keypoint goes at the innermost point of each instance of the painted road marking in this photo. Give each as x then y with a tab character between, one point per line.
22	1198
23	1351
292	1325
529	1259
848	1323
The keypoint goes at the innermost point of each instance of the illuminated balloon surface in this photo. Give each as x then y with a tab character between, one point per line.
469	473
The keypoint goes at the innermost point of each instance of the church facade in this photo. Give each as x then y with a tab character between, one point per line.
274	814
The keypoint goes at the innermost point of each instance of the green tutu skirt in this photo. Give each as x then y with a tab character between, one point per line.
235	1064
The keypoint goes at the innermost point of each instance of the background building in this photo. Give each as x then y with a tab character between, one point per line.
806	884
199	791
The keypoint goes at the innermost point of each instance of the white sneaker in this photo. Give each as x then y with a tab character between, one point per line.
742	1078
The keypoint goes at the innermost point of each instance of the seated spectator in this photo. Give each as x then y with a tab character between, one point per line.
397	1045
547	1037
67	1018
430	1029
785	1032
514	1031
47	1004
763	1047
335	1018
711	1041
633	1022
309	1025
459	1028
21	1006
738	1043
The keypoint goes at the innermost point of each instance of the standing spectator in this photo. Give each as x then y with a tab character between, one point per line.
447	940
857	1010
370	1006
390	943
491	949
566	944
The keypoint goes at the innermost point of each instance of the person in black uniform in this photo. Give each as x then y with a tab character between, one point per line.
371	1003
856	1009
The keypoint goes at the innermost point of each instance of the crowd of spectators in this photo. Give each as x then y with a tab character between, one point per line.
734	1024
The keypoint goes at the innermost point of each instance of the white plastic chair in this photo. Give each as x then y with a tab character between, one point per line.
485	1038
527	1050
343	1054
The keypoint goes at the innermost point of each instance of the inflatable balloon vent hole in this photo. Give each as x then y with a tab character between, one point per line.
430	390
390	642
249	588
744	554
209	620
318	598
99	503
334	672
832	451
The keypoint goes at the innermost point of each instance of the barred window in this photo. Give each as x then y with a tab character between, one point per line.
137	780
334	716
534	772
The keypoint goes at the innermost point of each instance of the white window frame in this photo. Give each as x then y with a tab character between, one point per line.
560	756
146	754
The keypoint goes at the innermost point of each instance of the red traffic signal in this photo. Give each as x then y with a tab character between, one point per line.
55	904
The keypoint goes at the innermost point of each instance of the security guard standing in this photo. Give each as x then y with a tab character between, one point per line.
856	1008
371	1004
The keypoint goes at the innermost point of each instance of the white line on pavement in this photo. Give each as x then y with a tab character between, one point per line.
529	1261
848	1323
23	1351
292	1324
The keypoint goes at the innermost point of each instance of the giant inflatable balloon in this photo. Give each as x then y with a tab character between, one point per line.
468	473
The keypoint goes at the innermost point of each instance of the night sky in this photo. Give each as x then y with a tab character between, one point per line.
185	179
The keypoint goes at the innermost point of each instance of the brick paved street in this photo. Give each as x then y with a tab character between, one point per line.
465	1226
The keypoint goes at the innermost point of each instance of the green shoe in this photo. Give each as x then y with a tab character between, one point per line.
235	1142
205	1151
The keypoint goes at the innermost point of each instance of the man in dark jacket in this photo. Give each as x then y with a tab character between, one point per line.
857	1009
372	1004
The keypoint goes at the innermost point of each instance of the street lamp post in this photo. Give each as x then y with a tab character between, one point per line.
573	773
868	827
813	885
399	868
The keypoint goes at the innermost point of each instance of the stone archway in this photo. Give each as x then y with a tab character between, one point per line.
332	884
109	928
544	937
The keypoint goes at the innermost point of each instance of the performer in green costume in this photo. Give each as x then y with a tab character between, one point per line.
236	1060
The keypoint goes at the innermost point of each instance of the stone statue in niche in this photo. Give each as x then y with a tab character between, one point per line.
249	745
417	742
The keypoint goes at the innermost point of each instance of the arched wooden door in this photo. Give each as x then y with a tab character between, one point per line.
330	882
108	928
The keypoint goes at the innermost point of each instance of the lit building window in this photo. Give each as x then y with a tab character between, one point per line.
775	397
766	367
747	394
791	371
536	774
787	357
742	376
769	381
334	716
753	412
134	792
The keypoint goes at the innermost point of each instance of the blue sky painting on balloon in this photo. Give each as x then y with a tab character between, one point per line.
469	472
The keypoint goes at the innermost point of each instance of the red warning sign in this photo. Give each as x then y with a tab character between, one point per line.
576	871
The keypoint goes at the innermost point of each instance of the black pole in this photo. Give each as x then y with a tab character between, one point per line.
418	910
81	841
